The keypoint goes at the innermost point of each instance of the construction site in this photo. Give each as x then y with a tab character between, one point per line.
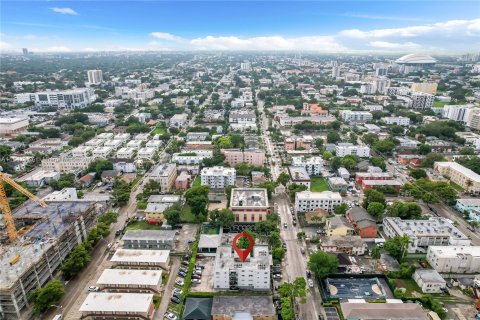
36	239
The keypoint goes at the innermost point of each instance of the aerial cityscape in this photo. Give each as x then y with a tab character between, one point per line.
240	160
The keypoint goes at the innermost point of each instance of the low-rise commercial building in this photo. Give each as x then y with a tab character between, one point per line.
249	205
425	233
454	258
137	258
429	280
13	125
218	177
149	239
306	201
109	305
375	311
130	280
233	274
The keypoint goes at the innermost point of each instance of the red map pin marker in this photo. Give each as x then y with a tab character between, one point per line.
243	253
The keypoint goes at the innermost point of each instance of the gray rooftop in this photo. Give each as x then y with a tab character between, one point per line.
159	235
255	305
226	257
374	311
249	197
298	173
430	275
433	226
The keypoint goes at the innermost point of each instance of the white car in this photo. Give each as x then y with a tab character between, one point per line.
310	283
170	316
196	281
93	289
179	282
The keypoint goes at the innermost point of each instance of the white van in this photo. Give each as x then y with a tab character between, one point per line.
58	317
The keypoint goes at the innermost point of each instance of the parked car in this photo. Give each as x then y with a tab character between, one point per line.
177	292
200	256
310	283
285	225
182	274
196	281
93	289
309	274
179	282
184	270
170	316
175	300
185	263
196	276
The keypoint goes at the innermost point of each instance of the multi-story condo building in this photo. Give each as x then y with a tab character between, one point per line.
191	157
299	175
95	76
287	121
306	201
313	165
66	163
135	144
179	120
68	99
464	177
249	205
165	174
356	116
114	144
146	153
102	152
218	177
197	136
82	151
425	233
255	157
298	143
242	119
425	87
126	153
230	273
344	149
422	101
459	113
454	259
13	125
402	121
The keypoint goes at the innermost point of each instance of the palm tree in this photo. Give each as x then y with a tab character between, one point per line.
469	185
404	242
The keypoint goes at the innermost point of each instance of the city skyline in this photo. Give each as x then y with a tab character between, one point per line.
322	26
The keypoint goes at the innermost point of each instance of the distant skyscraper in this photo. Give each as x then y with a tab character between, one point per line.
95	76
381	71
245	66
335	72
25	51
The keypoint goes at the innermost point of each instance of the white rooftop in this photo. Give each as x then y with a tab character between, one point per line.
130	277
117	302
146	256
455	251
325	195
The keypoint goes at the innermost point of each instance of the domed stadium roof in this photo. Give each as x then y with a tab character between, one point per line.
416	58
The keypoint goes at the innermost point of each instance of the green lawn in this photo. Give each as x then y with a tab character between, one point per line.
438	104
142	225
187	216
159	130
196	182
318	184
456	187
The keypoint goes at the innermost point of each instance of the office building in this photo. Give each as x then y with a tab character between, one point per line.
230	273
464	177
249	205
245	66
306	201
344	149
165	174
454	259
95	76
218	177
425	233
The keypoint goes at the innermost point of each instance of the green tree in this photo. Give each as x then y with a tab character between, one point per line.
50	294
378	162
431	158
467	151
222	218
372	195
322	264
243	169
283	178
335	163
270	186
197	198
397	246
418	173
224	143
376	252
370	138
424	149
384	146
287	312
405	210
76	261
173	214
319	143
278	253
333	137
376	209
349	162
297	289
396	130
327	155
341	209
121	192
294	188
99	166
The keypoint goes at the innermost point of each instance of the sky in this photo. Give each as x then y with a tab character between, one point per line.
381	26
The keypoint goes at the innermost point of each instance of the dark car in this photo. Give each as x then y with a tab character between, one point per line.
309	274
200	256
182	274
185	263
186	257
175	300
183	270
196	276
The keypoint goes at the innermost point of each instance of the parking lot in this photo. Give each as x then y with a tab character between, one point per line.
331	313
187	233
207	276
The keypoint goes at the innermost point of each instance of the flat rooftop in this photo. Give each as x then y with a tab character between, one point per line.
393	311
249	197
325	195
158	235
117	302
130	277
164	198
210	241
455	251
145	256
431	227
430	275
298	173
226	257
253	305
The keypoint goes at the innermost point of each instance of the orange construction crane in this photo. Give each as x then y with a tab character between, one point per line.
7	213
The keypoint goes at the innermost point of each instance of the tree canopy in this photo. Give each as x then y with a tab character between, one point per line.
322	264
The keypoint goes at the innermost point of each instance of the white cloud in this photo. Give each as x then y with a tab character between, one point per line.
68	11
394	45
58	49
381	17
5	46
164	36
313	43
89	49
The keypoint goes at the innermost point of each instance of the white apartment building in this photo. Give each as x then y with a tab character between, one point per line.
135	144
13	125
242	119
422	101
230	273
356	116
237	103
454	259
102	152
114	144
313	165
306	201
125	167
105	136
81	151
95	76
344	149
218	177
126	153
430	281
425	233
194	157
124	137
464	177
139	95
68	99
153	144
165	174
179	120
66	164
245	66
401	121
141	136
373	107
146	153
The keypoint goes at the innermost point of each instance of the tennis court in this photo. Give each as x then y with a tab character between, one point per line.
354	288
